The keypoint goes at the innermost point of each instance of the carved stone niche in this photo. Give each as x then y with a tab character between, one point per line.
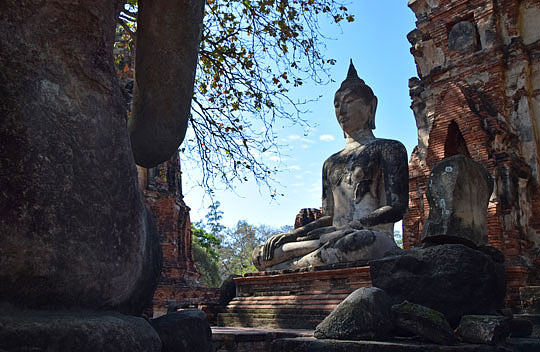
463	37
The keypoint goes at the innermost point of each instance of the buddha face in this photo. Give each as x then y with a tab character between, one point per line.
352	113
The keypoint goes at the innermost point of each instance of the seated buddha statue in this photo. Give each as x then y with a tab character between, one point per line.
364	192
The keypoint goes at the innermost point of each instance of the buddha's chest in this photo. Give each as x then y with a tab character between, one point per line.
354	170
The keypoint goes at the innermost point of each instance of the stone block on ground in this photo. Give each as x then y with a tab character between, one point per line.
364	315
250	339
535	321
306	344
530	299
523	344
184	331
520	327
484	329
41	331
453	279
428	324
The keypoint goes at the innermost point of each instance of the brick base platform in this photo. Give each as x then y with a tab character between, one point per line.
297	300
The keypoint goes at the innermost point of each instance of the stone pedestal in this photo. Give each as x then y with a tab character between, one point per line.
530	305
75	331
294	300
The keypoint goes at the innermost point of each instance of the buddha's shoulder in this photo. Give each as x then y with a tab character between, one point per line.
335	159
388	143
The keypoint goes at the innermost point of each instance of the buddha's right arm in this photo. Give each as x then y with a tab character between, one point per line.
327	196
279	240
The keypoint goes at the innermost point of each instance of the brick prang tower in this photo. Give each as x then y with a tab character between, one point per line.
478	94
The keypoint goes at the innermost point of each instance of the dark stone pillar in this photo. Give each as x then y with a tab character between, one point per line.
168	37
74	229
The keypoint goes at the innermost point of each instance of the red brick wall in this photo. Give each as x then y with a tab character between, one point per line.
178	284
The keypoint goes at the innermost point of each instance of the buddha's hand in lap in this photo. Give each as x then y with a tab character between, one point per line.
296	235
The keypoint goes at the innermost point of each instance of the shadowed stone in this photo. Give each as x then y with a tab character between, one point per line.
364	315
427	323
76	331
453	279
184	331
488	329
521	327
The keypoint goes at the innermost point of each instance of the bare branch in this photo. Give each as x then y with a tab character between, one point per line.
131	34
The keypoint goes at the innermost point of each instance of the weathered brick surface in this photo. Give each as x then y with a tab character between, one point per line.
297	300
484	102
178	284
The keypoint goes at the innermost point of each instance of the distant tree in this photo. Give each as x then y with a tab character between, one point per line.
206	245
238	244
252	53
205	254
213	218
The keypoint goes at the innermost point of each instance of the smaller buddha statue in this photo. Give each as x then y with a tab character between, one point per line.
365	191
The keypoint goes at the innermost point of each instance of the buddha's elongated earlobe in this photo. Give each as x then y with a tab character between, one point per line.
372	113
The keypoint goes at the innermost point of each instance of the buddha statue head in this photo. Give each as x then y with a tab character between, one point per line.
355	104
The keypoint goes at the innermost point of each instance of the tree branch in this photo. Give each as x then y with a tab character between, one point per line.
132	35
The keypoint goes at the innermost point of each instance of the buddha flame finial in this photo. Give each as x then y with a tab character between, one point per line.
352	78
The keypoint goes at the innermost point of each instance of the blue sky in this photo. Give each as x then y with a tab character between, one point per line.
377	43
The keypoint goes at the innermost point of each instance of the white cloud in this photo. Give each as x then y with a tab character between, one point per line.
297	138
294	167
305	146
275	158
326	138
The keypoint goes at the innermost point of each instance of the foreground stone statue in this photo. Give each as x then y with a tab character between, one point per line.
75	233
365	190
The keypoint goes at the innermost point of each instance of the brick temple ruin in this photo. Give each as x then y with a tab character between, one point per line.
179	284
478	94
